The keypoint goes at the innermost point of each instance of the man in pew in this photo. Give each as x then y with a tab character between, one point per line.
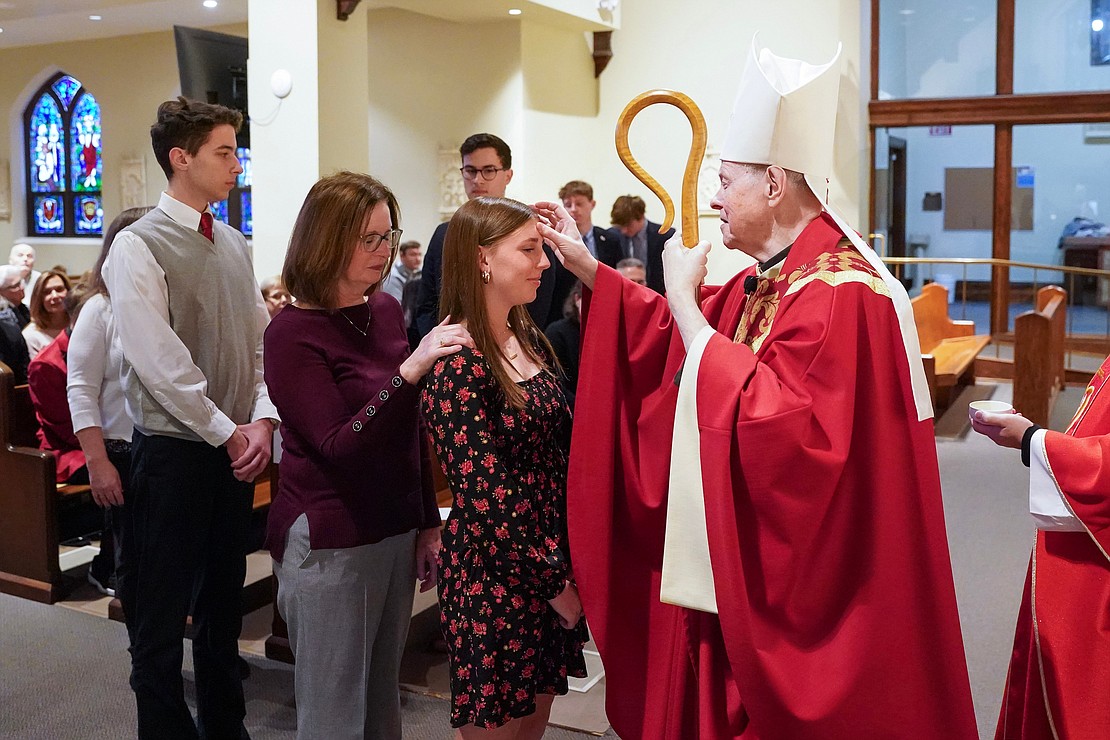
14	315
190	320
1060	665
783	572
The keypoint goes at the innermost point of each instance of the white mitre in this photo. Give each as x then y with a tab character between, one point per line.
785	115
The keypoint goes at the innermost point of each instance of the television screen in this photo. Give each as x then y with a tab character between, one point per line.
213	68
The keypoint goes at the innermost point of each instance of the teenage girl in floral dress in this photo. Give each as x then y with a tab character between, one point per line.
511	613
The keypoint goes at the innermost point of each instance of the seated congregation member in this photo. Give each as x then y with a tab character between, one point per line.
274	294
354	522
100	422
46	380
23	257
511	616
1060	664
14	315
633	269
48	311
564	336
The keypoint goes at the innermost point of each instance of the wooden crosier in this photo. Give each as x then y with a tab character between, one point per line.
693	164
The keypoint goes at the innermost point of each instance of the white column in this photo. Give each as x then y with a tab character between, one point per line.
321	126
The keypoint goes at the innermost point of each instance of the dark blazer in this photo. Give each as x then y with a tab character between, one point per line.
608	245
13	348
544	309
655	242
564	336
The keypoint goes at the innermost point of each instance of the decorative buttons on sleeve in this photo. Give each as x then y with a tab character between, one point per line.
357	426
384	395
370	411
397	381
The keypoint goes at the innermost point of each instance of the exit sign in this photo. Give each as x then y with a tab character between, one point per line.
940	131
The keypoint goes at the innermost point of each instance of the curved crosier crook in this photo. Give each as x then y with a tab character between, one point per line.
693	164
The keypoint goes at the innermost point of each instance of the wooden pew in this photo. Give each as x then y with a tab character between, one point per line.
948	348
1039	337
28	501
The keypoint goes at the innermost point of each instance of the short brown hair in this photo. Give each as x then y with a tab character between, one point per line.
120	222
408	246
39	314
626	209
186	124
576	187
326	233
484	222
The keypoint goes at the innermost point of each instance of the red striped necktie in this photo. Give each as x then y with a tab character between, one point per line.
206	225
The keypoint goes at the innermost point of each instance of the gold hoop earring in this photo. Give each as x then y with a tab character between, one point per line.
486	276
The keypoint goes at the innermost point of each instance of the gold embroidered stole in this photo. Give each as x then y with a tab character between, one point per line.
840	266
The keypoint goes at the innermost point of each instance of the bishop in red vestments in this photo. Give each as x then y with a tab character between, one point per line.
1059	680
754	501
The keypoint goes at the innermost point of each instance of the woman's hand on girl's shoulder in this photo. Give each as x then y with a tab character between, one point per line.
445	339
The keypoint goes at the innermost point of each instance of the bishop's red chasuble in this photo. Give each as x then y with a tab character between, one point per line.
1059	680
830	568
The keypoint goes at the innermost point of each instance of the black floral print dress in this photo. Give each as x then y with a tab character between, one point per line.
505	550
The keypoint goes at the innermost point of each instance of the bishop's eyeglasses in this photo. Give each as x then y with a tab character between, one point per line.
488	173
372	242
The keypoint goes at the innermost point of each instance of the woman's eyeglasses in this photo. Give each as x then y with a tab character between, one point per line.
372	242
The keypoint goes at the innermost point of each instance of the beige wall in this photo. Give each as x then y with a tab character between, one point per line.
432	84
534	86
129	76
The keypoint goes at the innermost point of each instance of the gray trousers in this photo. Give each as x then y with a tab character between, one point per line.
348	613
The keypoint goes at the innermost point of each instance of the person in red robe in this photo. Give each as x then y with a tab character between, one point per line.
46	380
754	500
1058	684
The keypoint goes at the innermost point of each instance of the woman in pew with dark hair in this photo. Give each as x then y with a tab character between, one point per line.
100	422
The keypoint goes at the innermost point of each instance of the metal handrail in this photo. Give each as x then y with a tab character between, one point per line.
997	263
966	262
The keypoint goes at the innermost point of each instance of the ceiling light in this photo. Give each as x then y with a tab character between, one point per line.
1096	25
515	11
94	18
907	11
210	3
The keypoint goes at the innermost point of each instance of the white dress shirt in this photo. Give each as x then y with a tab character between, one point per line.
159	358
95	362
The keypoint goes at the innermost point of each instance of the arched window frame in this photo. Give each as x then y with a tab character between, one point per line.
74	198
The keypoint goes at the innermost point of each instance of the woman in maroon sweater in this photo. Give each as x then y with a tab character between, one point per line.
354	522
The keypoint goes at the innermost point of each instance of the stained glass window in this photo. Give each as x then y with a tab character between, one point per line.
65	167
219	210
246	218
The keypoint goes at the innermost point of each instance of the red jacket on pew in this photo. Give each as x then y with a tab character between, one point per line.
46	377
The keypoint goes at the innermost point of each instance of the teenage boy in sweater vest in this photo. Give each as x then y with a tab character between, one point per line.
190	320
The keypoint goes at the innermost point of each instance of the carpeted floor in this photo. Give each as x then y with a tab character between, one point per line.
63	674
